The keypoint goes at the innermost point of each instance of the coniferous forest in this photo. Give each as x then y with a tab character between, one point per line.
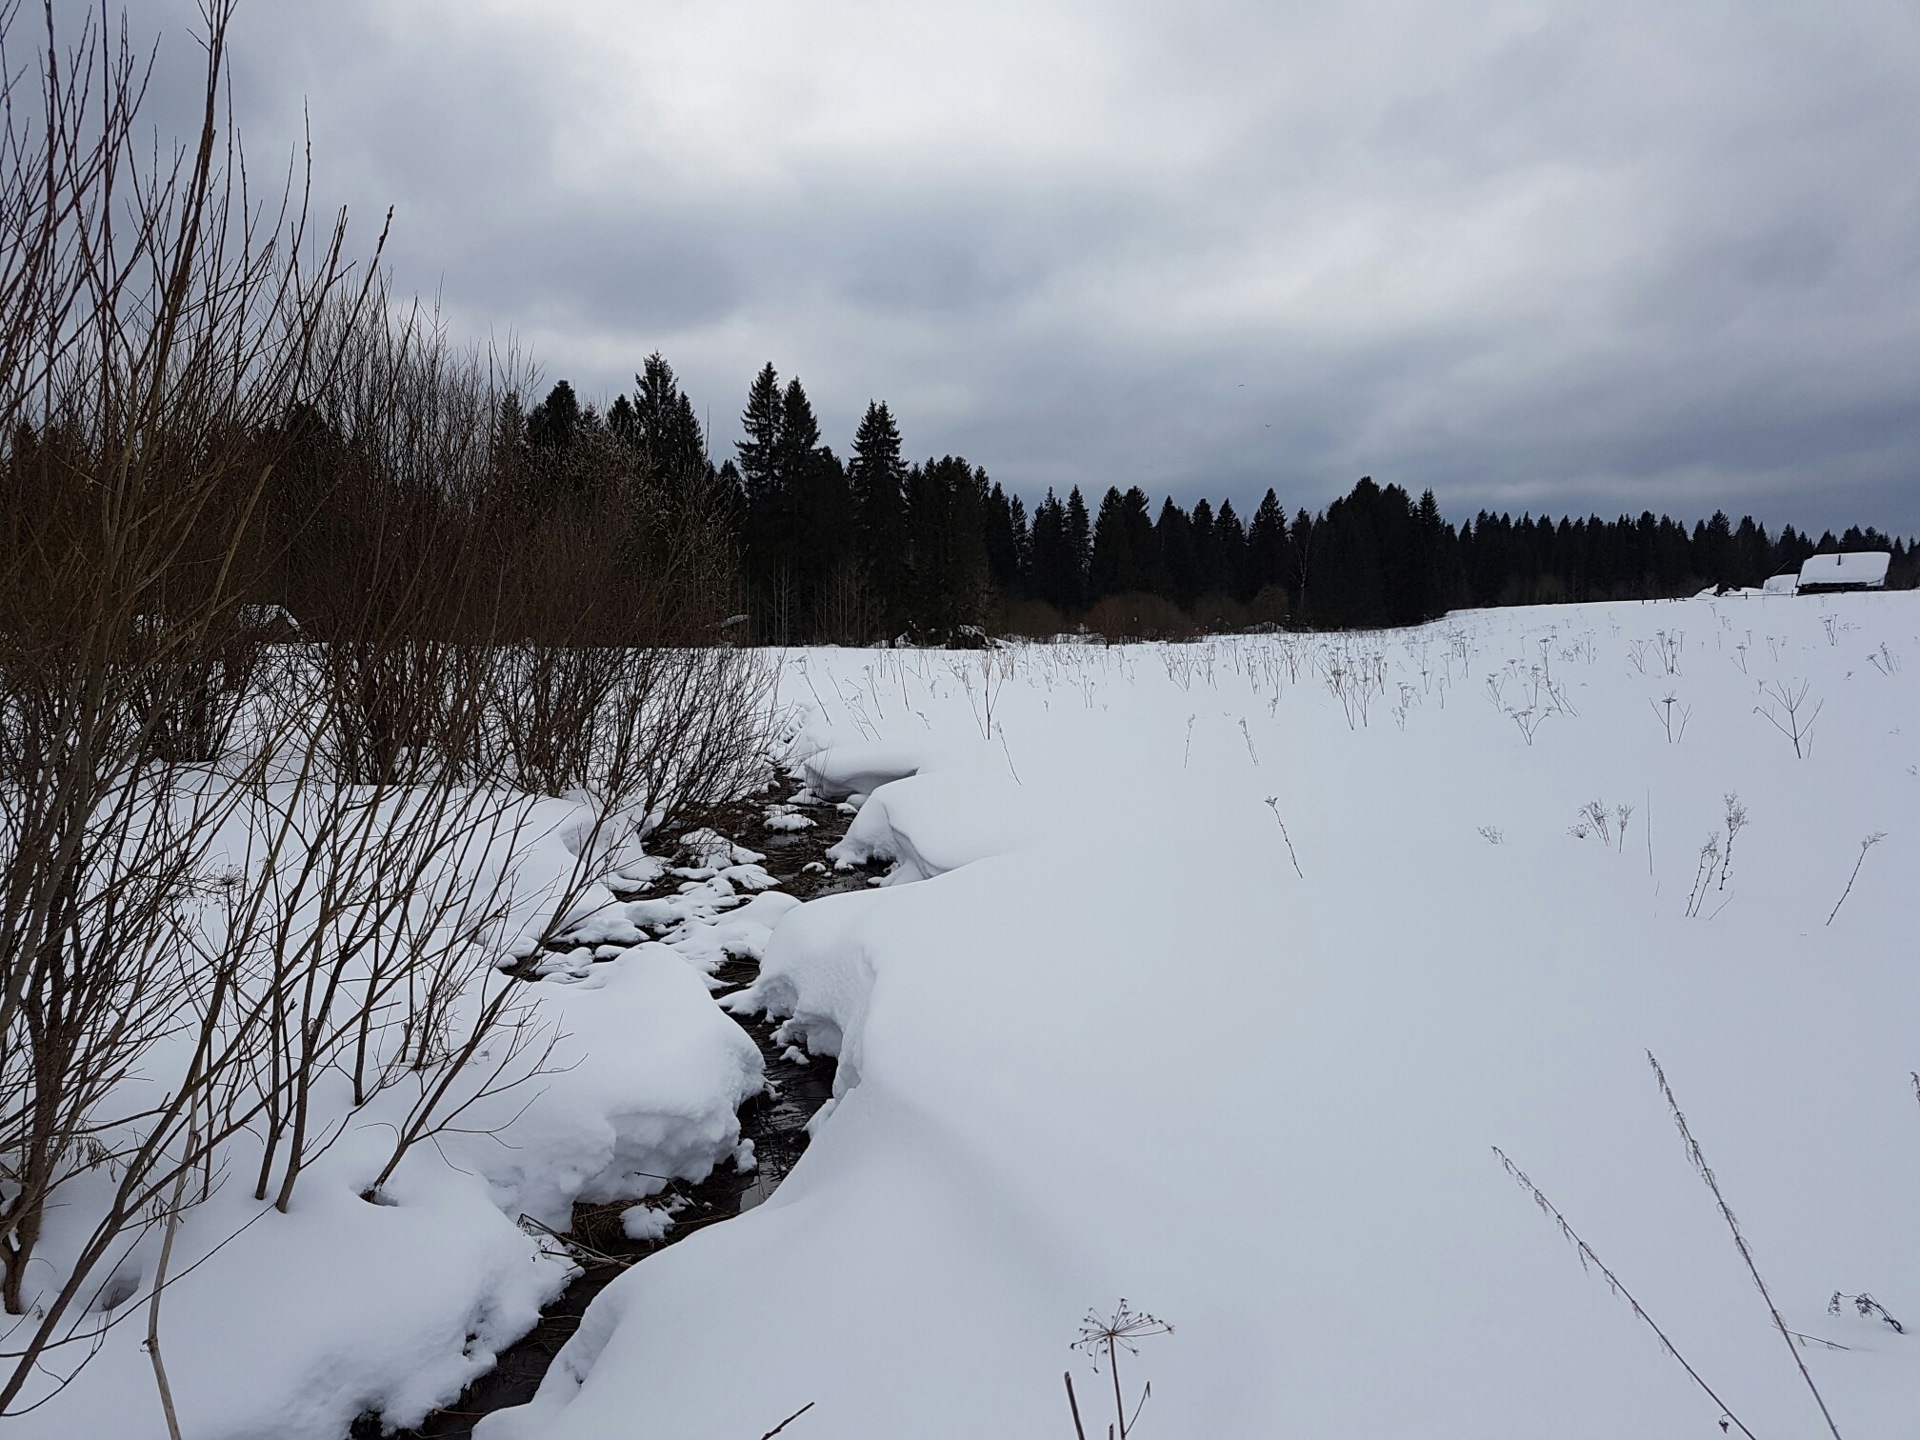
875	547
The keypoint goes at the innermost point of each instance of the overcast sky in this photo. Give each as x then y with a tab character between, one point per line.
1606	256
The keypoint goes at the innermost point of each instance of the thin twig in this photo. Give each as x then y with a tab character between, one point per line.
789	1420
576	1247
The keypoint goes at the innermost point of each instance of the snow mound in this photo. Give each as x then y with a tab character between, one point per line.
926	825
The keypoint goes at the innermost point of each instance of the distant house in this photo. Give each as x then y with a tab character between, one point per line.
1782	584
1848	570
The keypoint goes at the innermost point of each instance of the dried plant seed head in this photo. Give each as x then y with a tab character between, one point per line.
1123	1328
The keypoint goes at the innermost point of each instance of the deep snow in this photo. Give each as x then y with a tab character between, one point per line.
1098	1038
1110	1044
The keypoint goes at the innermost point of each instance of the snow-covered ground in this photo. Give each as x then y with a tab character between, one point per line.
1110	1043
622	1074
1208	976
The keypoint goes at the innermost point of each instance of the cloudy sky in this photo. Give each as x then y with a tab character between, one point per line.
1606	256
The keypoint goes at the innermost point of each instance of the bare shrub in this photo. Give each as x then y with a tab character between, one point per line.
395	530
1033	619
1139	616
207	435
151	326
1218	614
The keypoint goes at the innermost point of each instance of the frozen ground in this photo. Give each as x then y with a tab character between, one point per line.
1208	976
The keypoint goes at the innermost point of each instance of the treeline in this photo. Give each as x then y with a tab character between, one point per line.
874	547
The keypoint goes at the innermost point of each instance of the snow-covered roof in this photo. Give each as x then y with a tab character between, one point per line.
1783	584
1849	567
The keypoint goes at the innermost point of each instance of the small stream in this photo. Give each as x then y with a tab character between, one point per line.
774	1120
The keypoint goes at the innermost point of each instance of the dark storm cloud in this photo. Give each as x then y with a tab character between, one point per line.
1565	257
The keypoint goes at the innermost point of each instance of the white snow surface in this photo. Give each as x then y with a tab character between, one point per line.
1098	1038
926	825
1112	1044
291	1325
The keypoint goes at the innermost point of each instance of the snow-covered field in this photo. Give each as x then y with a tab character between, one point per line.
1210	976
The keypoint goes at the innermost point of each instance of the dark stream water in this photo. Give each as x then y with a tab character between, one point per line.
775	1121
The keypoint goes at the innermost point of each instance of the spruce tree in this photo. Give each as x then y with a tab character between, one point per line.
817	551
1143	543
1173	534
1439	559
767	518
1022	546
1232	538
761	420
1079	547
623	424
1001	541
1111	570
1299	555
664	422
555	421
1267	544
798	436
1208	571
877	477
945	501
1050	566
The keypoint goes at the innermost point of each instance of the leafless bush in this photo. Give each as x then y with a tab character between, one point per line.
152	324
1139	616
359	937
205	417
399	533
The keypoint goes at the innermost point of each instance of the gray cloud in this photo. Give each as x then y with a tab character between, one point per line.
1603	256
